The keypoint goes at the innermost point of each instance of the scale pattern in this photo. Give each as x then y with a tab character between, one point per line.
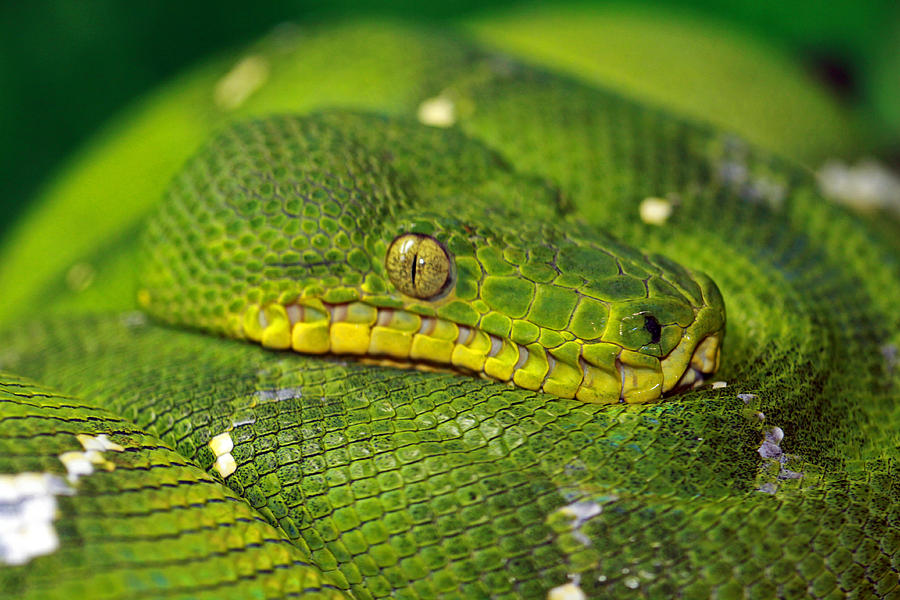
276	216
408	484
146	524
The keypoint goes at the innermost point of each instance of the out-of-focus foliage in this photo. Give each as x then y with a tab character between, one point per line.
67	65
697	65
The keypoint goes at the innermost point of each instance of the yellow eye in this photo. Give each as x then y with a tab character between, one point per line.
418	265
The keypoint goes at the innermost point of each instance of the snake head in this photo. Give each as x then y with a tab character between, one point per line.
355	235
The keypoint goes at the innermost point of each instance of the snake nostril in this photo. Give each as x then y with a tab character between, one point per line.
653	327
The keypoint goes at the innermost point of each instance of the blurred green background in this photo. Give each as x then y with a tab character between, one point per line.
66	66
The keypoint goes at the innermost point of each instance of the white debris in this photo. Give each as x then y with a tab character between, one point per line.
439	111
134	319
717	385
774	435
867	185
221	444
767	488
226	465
82	463
279	395
734	171
655	211
98	443
27	510
247	76
770	450
756	415
568	591
221	447
768	190
632	583
76	464
770	446
890	354
581	513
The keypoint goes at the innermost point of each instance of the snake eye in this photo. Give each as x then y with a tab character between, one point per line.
418	265
653	327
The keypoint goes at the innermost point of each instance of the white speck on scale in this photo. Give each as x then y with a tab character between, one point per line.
221	446
437	112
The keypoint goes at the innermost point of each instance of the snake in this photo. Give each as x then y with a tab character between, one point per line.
427	334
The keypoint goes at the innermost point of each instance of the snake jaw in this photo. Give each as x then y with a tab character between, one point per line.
591	372
704	361
477	274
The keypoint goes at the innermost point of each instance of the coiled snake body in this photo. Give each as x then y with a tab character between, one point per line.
144	454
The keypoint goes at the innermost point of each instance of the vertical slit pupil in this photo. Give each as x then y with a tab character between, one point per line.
415	261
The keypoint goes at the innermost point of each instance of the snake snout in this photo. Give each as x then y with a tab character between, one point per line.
704	362
699	354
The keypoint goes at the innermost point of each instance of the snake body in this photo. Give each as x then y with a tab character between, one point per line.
180	463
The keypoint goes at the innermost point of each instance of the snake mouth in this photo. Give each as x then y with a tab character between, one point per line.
592	372
704	363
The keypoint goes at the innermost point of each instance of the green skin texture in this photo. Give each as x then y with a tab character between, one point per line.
284	208
410	484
